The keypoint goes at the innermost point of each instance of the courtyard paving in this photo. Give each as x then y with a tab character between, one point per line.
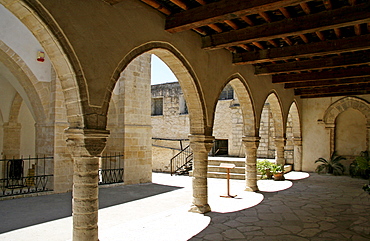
306	207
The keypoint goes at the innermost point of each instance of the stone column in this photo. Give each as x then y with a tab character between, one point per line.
251	144
12	139
85	146
297	153
367	137
280	144
331	128
201	146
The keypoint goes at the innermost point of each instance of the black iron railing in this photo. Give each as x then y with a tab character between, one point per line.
111	169
181	163
25	175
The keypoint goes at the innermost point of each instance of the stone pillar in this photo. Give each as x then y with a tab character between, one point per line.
12	139
137	122
251	144
367	137
201	146
280	144
85	146
297	153
331	128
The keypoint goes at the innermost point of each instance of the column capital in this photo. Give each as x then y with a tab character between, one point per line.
86	142
201	143
251	142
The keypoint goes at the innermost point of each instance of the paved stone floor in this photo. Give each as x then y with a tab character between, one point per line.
315	207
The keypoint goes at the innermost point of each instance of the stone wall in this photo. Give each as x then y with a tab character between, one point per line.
129	121
349	137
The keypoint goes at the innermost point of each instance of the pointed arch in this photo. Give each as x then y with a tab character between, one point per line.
341	105
295	118
62	57
28	86
199	124
277	114
246	104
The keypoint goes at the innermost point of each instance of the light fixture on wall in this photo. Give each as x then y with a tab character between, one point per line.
40	56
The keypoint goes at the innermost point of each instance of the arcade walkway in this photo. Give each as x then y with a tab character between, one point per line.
319	207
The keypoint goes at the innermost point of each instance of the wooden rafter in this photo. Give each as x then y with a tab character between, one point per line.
221	11
330	82
346	16
154	4
324	75
315	64
355	43
363	88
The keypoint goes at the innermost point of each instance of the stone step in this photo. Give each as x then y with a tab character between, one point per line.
240	170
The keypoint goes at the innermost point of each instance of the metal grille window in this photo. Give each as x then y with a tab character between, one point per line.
157	106
227	93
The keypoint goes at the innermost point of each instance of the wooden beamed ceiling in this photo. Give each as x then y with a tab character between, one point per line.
316	47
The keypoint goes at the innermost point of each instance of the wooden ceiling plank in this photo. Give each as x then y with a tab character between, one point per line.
357	29
274	43
305	8
258	45
304	38
324	75
331	82
202	2
355	43
179	3
335	94
315	64
154	4
246	47
247	20
216	28
358	88
285	12
222	10
265	16
342	17
232	24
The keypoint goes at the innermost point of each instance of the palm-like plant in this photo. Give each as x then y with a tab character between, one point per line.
331	166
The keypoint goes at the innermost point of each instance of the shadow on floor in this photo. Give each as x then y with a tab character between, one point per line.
24	212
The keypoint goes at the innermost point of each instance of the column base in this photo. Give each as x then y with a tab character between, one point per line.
251	189
200	209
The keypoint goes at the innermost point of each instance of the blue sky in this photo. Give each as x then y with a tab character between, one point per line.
160	72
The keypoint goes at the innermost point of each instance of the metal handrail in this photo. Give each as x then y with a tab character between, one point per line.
181	159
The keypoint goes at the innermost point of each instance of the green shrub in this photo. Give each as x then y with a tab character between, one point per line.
331	166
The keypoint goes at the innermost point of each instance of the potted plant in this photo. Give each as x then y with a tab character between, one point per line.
264	168
360	167
278	172
331	166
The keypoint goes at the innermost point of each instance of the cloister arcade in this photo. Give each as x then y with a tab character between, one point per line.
91	94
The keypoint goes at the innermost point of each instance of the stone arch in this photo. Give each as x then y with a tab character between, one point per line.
277	114
246	104
340	106
14	110
278	140
240	111
294	138
30	89
44	28
296	122
185	75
